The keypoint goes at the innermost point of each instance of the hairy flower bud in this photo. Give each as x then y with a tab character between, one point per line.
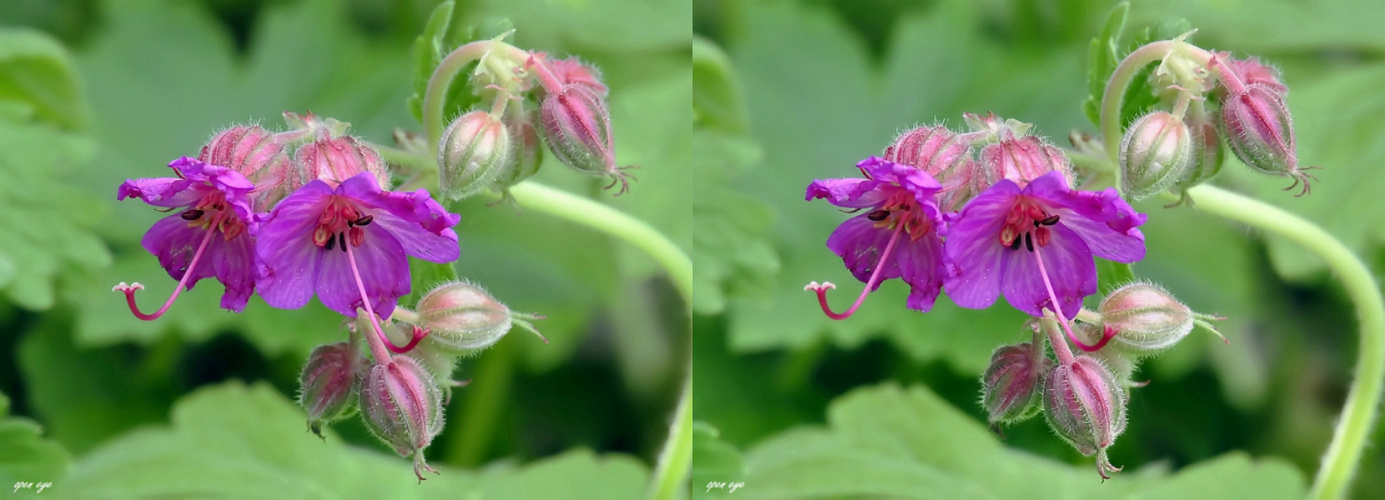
1207	158
942	153
263	157
1085	405
1261	133
1012	384
1154	153
402	405
577	127
1145	318
572	71
336	159
474	150
526	152
1022	159
328	384
463	318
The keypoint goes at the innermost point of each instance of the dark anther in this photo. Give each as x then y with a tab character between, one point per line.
331	242
192	214
1015	245
1028	242
364	220
342	235
878	215
1048	221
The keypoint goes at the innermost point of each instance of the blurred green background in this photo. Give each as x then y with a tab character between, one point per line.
200	402
885	404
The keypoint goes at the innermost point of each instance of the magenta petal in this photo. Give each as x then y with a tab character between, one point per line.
921	266
860	243
847	193
384	274
1070	270
417	241
163	192
974	250
174	242
285	247
1101	218
235	268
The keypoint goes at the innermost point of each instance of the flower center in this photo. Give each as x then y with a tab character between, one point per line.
339	224
903	209
212	212
1027	223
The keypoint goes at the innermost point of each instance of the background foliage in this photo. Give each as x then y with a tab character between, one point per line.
884	404
200	402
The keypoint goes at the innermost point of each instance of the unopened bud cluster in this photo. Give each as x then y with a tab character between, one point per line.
499	146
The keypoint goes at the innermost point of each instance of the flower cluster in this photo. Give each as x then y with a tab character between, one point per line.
310	212
1013	225
997	211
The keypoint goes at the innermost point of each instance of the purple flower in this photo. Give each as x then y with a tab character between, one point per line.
210	236
350	242
995	244
898	237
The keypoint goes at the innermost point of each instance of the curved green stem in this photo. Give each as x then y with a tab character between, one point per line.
590	213
1359	412
444	74
675	461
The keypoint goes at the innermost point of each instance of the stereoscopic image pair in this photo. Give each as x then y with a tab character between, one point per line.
799	249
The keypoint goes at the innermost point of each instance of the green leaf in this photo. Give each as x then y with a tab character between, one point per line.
908	443
234	441
1102	60
1107	52
714	460
730	253
717	98
26	456
36	72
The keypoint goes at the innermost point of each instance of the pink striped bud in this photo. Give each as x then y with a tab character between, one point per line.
263	157
328	384
1085	405
1022	159
336	159
402	405
463	318
577	126
572	71
474	150
1154	153
526	152
942	153
1012	384
1261	133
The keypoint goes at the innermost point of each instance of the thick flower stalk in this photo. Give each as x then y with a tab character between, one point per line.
209	235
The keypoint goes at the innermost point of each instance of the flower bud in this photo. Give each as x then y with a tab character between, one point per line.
1012	384
463	319
1145	317
577	127
474	150
263	157
1022	159
942	153
1260	131
1243	72
328	384
1085	405
526	152
572	71
1154	153
1207	158
336	159
402	405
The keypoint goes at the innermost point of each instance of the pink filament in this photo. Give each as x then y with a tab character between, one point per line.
419	333
1057	311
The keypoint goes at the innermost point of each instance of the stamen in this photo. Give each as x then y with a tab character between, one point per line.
1029	241
1049	221
192	214
342	237
129	290
821	290
364	220
878	215
331	242
418	333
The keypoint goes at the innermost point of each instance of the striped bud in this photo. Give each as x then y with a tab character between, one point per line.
1085	405
1012	384
402	405
1154	153
474	150
328	384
